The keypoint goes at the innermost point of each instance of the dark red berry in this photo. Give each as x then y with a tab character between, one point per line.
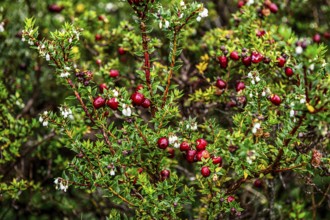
171	153
121	51
113	73
101	18
184	146
257	183
266	60
281	61
246	60
202	154
234	55
190	156
288	71
98	102
162	143
275	99
55	8
260	33
98	37
201	144
273	8
102	87
317	38
137	98
256	57
326	35
223	61
217	160
221	84
113	103
205	171
239	86
165	174
230	198
146	103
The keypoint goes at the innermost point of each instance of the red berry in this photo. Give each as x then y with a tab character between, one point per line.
288	71
256	57
234	55
246	60
98	37
266	60
137	98
217	160
317	38
113	103
165	174
223	61
113	73
140	170
102	87
202	154
201	144
257	183
281	61
190	156
146	103
239	86
275	99
273	8
162	143
98	102
101	18
326	35
121	51
184	146
170	152
221	84
260	33
240	4
230	198
55	8
98	62
205	171
139	87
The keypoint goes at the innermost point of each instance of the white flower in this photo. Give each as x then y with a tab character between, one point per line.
257	79
66	113
2	29
253	82
181	15
41	119
176	144
188	126
160	25
172	139
167	24
112	172
263	93
204	13
193	127
65	74
126	110
23	39
250	75
198	19
182	3
251	95
254	130
311	67
257	125
115	93
47	57
30	42
299	50
70	40
45	123
291	113
302	101
250	2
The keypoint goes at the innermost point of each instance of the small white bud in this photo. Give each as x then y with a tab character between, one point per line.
47	57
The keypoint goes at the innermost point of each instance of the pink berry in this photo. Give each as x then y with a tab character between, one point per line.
121	51
98	102
113	73
275	99
317	38
201	144
223	61
103	87
221	84
202	154
234	55
165	174
230	198
190	156
246	60
113	103
256	57
273	8
239	86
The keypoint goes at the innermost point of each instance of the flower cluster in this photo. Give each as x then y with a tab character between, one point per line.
202	14
66	112
61	184
44	119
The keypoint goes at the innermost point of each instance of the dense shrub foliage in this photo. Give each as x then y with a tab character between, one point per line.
154	109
